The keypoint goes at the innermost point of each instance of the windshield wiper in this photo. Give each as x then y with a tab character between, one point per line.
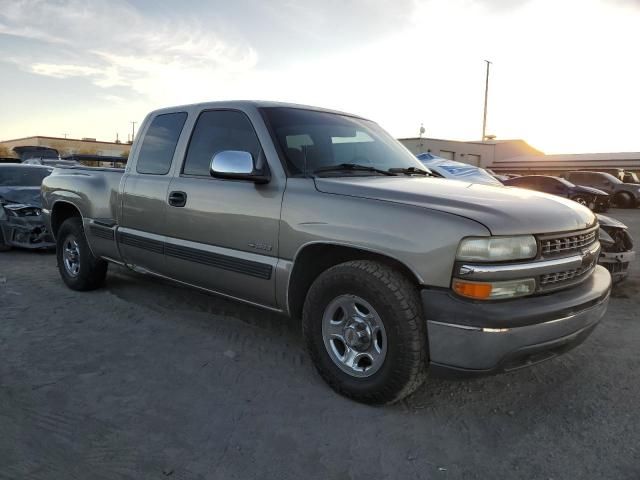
353	167
411	170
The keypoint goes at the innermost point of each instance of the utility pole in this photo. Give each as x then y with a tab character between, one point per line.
65	135
486	96
133	130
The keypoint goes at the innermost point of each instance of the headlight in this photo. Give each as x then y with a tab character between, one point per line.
24	212
497	249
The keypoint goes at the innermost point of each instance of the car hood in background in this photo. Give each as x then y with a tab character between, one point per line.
591	190
605	221
23	195
503	210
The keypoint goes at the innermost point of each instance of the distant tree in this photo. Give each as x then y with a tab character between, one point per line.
5	151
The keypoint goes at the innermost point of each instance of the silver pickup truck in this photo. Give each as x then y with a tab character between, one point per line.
322	216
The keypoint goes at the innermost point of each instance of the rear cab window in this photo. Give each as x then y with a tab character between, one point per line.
159	143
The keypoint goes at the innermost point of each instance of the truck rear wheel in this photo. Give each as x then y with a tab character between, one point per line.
79	269
363	325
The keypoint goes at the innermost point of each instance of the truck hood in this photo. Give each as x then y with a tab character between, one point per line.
503	210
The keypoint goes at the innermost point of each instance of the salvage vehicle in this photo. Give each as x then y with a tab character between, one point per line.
323	216
624	195
595	199
617	247
21	221
51	162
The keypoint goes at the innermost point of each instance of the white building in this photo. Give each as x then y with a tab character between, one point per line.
480	154
517	156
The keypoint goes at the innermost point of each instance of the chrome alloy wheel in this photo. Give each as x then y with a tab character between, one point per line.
71	256
354	336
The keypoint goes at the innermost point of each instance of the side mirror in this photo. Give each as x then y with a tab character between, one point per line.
237	165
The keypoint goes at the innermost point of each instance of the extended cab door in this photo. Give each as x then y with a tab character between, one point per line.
225	236
144	199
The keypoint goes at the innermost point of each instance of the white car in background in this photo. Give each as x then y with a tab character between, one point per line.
443	167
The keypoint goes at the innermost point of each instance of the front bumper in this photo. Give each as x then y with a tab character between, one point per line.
28	232
467	337
617	263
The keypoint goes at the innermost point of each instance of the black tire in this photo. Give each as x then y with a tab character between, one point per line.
397	303
91	271
3	246
623	200
581	199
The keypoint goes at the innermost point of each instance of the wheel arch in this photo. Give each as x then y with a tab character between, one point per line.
314	258
632	196
61	211
628	192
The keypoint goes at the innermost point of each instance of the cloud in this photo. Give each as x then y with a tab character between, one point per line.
64	71
114	44
631	3
499	5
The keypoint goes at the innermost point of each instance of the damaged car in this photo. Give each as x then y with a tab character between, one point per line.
617	247
21	221
590	197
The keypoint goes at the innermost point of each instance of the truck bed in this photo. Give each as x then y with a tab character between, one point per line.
93	190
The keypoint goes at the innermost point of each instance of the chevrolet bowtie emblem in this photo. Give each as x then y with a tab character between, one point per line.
588	258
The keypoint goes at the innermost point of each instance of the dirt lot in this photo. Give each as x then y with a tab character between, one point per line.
143	379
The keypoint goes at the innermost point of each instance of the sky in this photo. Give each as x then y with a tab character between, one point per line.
565	74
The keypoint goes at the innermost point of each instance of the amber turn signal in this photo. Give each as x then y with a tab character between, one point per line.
475	290
494	290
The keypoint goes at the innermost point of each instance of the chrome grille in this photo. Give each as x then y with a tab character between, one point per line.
561	278
567	243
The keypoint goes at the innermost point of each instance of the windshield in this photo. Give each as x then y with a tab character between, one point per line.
610	177
631	177
23	176
312	140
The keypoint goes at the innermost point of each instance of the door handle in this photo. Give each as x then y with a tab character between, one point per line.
177	199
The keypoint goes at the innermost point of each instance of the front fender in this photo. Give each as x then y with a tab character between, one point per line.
423	240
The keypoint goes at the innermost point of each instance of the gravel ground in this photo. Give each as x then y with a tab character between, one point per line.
143	379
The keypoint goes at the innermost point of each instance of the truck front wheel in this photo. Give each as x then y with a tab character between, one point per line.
363	325
79	269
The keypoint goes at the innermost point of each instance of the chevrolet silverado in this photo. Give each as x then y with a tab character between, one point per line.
323	216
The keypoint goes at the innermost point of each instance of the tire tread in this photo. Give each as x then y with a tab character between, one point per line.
411	373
